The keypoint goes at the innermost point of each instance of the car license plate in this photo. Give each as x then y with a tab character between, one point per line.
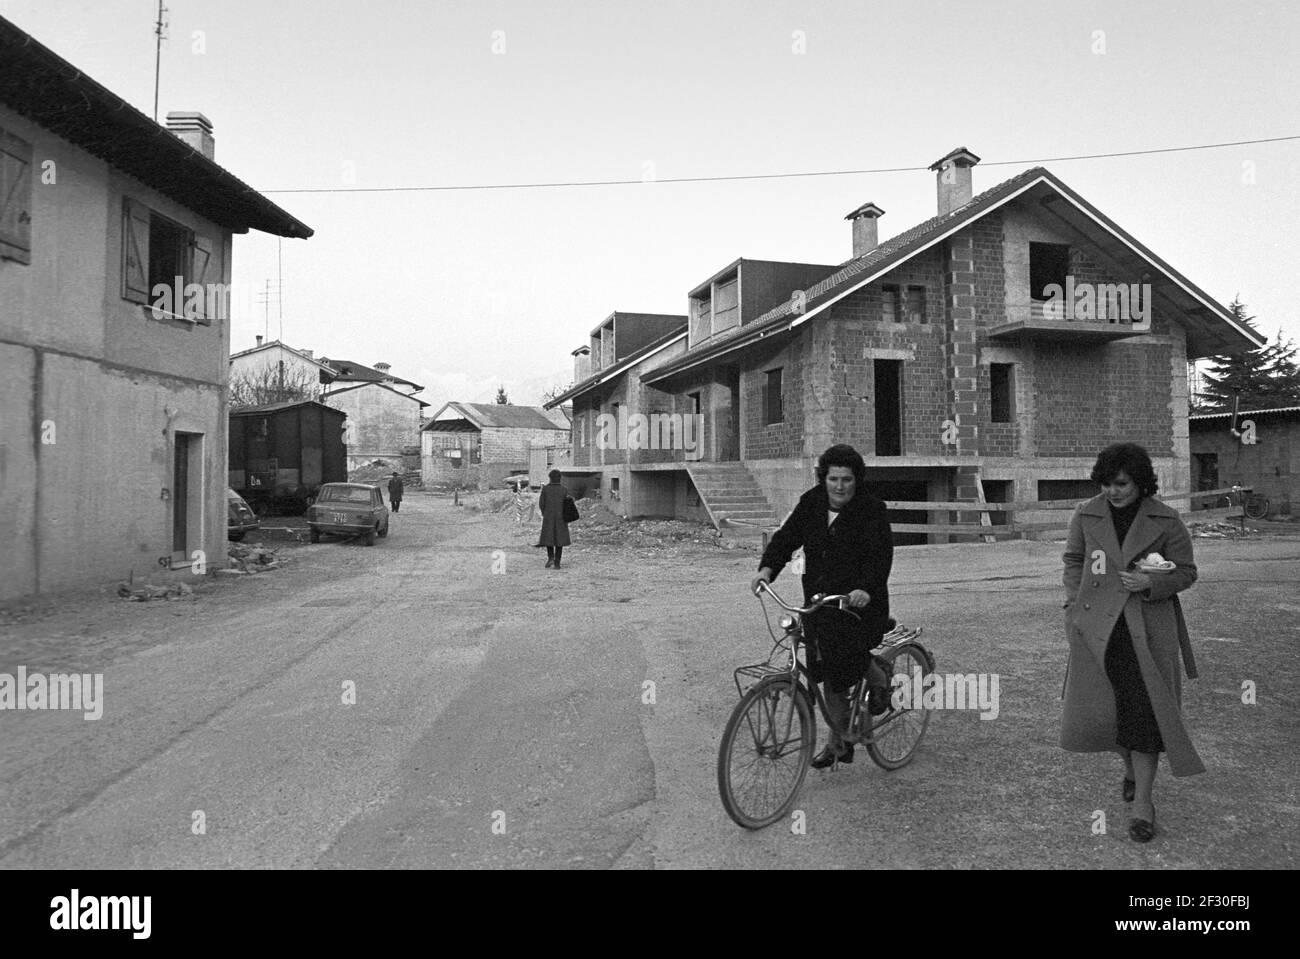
339	517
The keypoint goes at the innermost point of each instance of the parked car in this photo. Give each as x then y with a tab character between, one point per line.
348	509
239	516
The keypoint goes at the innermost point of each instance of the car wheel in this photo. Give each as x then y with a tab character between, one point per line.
235	537
370	537
315	535
384	530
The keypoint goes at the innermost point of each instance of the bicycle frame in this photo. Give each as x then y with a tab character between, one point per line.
796	672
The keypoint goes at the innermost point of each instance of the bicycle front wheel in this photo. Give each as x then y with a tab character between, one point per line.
765	752
896	735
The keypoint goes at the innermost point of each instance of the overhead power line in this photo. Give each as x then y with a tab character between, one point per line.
767	176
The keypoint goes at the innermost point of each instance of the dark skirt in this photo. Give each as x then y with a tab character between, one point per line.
1135	720
839	648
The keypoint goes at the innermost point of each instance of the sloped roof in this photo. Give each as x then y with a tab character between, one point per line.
49	91
497	416
607	372
382	386
284	346
351	370
285	405
1244	413
857	272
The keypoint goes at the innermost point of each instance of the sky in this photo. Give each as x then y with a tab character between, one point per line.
463	290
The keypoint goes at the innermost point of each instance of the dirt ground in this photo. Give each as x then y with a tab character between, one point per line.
568	653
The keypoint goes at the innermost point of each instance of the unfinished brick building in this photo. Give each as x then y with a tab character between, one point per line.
986	354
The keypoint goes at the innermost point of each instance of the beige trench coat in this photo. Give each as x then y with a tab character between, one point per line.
1096	600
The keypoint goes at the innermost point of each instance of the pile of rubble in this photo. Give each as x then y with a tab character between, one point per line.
249	559
147	592
1213	530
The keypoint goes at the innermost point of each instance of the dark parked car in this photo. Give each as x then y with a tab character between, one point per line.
239	516
348	509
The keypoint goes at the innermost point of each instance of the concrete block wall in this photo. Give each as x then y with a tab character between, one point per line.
382	422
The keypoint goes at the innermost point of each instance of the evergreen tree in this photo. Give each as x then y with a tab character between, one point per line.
502	399
1262	378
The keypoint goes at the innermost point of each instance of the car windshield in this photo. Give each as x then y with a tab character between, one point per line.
345	494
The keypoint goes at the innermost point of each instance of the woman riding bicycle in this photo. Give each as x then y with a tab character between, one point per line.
848	548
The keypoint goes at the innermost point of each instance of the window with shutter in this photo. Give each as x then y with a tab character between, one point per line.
135	251
203	271
15	198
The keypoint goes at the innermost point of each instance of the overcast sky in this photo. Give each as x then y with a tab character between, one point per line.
462	290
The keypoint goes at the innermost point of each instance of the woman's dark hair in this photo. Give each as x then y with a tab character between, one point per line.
1126	458
841	454
554	476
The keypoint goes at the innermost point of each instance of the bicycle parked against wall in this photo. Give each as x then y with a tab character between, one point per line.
1253	505
769	740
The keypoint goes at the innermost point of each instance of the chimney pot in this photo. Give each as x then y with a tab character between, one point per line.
195	129
865	235
953	178
383	367
259	340
581	363
307	353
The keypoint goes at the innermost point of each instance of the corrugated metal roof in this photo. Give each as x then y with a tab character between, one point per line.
500	416
1241	413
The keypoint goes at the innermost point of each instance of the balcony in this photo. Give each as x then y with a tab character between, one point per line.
1041	321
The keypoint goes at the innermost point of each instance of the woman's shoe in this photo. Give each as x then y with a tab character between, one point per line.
1142	830
1129	790
828	757
550	563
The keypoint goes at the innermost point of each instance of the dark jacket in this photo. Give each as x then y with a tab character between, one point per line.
395	488
854	552
555	531
1097	599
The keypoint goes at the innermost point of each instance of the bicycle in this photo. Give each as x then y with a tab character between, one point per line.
1253	505
763	758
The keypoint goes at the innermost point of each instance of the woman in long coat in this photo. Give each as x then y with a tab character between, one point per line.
1123	686
848	548
555	531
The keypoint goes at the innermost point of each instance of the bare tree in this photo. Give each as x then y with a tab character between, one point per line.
554	391
273	384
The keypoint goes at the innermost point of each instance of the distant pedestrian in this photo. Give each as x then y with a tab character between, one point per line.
555	531
1127	557
395	488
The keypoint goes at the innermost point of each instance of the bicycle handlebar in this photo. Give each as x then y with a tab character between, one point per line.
818	601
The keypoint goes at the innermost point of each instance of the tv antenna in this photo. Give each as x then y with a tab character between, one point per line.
158	29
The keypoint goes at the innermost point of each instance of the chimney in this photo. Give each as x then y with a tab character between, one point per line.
953	179
259	339
581	363
307	353
195	129
865	238
383	367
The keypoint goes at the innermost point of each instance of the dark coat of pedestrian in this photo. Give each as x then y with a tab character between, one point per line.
395	489
555	531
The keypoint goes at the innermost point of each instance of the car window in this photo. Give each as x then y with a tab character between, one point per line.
345	494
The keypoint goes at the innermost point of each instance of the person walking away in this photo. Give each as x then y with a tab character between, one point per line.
395	489
1127	556
555	531
848	548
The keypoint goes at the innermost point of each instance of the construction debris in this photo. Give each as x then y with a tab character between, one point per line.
145	593
250	559
1214	530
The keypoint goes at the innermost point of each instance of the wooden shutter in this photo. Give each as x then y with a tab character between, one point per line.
15	198
202	271
135	251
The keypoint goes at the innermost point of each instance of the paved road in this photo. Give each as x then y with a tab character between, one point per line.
499	718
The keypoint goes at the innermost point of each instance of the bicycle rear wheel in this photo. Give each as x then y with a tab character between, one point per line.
1255	507
897	734
765	752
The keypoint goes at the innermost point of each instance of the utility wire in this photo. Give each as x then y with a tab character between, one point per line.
770	176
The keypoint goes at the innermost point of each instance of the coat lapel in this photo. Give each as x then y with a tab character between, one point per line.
1100	527
1144	531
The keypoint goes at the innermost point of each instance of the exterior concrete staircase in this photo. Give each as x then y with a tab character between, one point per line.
729	492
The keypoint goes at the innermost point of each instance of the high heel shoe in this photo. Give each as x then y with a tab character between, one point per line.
828	757
1129	790
1142	830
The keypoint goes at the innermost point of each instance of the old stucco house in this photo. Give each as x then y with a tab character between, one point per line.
113	410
